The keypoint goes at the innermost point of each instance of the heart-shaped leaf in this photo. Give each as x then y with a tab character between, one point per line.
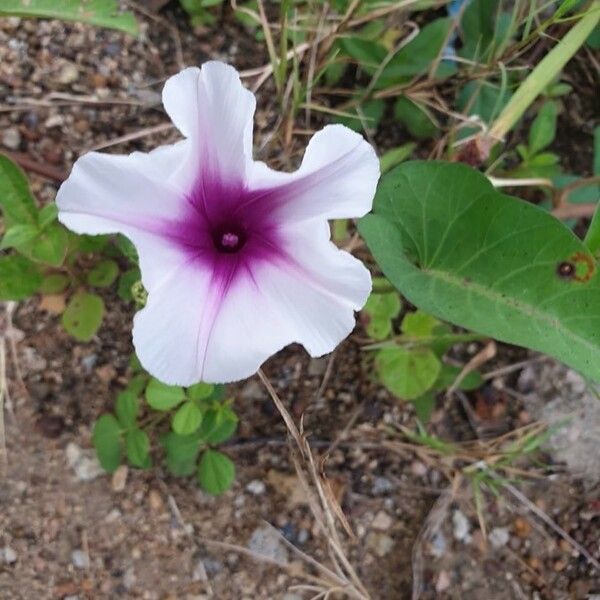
457	248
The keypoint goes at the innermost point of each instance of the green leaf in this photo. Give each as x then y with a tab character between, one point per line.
501	267
137	447
161	396
448	375
137	384
417	56
543	128
216	472
187	419
19	278
126	408
126	282
200	391
181	453
103	274
83	316
419	324
395	156
54	283
49	247
381	310
483	98
597	151
483	29
18	235
102	13
16	202
368	54
368	116
47	215
424	406
407	373
218	425
415	118
106	438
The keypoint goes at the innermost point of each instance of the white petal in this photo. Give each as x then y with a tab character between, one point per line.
133	195
212	107
337	178
187	332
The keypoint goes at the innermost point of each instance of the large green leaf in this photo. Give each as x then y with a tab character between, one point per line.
103	13
462	251
19	278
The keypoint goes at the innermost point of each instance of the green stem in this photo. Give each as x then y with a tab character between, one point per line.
545	72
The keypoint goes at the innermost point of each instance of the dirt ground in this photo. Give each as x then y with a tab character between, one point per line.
69	531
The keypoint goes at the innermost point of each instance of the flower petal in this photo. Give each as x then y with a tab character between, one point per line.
337	178
192	330
212	107
133	195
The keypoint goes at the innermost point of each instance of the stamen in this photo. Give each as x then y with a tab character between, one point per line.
230	240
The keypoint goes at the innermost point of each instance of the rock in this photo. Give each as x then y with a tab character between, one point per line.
499	537
8	555
11	138
292	596
119	478
418	468
89	362
381	486
256	487
443	582
460	525
83	462
129	578
252	390
380	543
68	74
382	521
80	559
266	542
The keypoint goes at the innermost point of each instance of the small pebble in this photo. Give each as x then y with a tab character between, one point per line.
382	521
8	555
499	537
80	559
461	526
68	74
256	487
119	478
443	582
11	138
381	485
266	542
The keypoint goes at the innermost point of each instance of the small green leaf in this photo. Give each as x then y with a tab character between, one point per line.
54	283
417	56
106	438
415	118
47	215
103	274
187	419
83	316
218	425
382	309
161	396
19	278
368	116
419	324
49	247
543	128
181	453
137	446
18	235
448	375
368	54
126	408
102	13
424	406
126	282
407	373
216	472
16	202
200	391
137	384
395	156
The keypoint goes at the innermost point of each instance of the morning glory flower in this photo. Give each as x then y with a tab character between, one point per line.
236	257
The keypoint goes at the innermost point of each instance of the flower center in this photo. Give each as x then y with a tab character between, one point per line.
229	239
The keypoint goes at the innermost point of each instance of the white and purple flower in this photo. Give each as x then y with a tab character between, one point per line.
236	258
